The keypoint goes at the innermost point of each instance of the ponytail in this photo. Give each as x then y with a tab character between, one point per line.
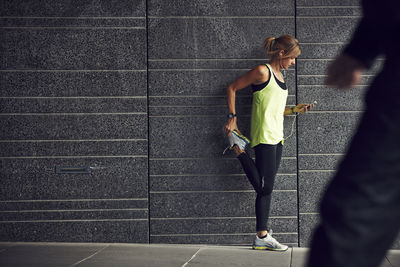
287	43
268	45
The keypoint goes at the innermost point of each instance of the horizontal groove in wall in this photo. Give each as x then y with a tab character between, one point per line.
214	175
315	59
245	116
220	218
328	17
324	75
75	140
321	154
161	159
82	17
71	200
187	70
205	59
72	114
78	157
332	7
73	97
72	210
62	221
322	43
196	96
72	28
334	111
190	96
211	174
322	85
324	59
222	234
193	106
61	70
317	170
211	191
221	17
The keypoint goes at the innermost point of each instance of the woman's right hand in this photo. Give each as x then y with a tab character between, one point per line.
230	126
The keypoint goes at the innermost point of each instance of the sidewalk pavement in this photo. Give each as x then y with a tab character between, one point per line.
115	255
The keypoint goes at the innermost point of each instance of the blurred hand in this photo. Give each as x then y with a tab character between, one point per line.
344	72
230	126
303	108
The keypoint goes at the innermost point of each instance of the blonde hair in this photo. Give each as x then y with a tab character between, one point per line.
287	43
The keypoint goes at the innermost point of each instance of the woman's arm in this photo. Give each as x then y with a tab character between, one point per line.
255	76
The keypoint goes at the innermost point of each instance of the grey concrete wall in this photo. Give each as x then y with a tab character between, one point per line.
136	91
196	48
73	92
323	27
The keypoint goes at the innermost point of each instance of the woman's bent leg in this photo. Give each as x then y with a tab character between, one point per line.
251	171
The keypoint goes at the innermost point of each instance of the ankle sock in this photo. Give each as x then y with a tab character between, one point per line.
263	236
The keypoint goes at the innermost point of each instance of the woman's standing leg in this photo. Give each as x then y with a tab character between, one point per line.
268	158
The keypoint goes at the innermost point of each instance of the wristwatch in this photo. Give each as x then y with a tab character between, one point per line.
231	115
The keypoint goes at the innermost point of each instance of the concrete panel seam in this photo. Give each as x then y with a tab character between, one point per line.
194	255
97	252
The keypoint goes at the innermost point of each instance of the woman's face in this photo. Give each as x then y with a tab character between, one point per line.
287	62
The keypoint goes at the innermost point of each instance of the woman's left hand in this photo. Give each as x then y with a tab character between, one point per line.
303	108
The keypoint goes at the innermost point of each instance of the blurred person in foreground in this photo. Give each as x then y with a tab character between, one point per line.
360	211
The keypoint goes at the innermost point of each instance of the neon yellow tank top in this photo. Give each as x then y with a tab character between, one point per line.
267	113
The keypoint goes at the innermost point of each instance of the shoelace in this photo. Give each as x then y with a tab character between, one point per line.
229	147
274	241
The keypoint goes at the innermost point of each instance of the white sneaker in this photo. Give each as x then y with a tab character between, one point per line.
268	243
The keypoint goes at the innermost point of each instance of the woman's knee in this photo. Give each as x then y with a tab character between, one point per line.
266	190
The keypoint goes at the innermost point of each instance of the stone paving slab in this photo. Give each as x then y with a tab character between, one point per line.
143	255
239	256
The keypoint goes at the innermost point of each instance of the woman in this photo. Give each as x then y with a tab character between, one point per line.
268	111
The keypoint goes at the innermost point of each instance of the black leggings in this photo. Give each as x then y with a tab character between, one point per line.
261	175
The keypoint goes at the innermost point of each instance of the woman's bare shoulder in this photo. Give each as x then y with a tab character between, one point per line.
262	72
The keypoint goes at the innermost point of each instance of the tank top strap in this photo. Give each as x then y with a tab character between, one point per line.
282	85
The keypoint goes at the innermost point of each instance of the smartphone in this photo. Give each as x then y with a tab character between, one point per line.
309	106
